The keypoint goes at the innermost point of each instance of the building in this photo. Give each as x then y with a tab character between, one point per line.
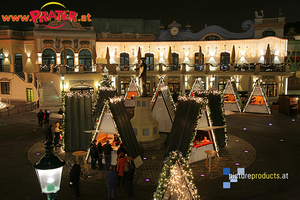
33	60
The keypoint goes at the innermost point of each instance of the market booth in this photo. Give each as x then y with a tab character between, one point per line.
197	86
289	104
163	107
258	101
231	97
114	125
131	93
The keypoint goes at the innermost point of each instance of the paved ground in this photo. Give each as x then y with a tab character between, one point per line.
276	147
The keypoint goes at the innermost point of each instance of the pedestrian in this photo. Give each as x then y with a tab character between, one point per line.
120	169
111	178
94	154
40	116
175	96
57	135
107	154
121	149
48	134
60	111
74	177
100	155
128	178
46	117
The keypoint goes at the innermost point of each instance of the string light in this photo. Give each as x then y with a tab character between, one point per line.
187	98
116	99
79	94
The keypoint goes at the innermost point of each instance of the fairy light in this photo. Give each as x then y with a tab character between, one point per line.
79	94
187	98
116	99
107	88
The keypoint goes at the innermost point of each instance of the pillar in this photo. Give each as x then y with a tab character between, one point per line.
118	84
182	80
151	86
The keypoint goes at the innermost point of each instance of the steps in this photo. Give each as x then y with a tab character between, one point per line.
51	98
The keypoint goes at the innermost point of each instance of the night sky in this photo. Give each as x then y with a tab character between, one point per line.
229	14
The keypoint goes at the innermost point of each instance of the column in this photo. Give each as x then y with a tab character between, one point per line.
182	81
118	84
151	86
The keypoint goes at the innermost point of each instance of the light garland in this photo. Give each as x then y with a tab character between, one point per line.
187	98
206	92
79	94
63	125
107	88
116	99
177	176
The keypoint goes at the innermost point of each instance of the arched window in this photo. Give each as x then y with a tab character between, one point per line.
270	88
224	61
1	63
48	57
18	62
175	61
268	33
70	59
174	85
124	59
197	59
85	57
149	61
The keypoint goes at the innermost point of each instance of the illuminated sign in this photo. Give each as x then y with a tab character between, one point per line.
39	16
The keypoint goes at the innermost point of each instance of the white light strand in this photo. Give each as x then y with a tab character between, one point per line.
187	98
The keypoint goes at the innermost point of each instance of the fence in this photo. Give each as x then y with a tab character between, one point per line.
6	112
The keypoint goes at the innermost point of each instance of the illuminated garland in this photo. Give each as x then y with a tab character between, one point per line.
63	125
116	99
187	98
79	94
175	169
206	92
107	88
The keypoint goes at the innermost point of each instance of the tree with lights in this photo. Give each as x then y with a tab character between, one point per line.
106	79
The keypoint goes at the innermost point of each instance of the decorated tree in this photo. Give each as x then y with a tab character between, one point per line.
106	79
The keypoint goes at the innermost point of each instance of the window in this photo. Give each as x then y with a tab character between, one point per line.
1	63
149	61
270	88
175	60
197	59
143	103
222	85
5	88
70	59
85	59
268	33
225	58
48	57
124	59
124	86
174	85
29	95
146	131
18	62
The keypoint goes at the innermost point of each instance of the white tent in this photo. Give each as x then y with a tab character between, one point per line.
258	102
132	92
231	98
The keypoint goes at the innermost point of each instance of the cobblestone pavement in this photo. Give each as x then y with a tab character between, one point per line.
230	156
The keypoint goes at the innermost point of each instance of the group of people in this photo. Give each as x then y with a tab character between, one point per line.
43	118
122	174
54	134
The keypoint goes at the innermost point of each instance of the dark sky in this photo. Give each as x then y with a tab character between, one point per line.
228	14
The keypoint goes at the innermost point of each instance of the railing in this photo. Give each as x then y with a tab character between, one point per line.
272	68
21	75
6	112
245	67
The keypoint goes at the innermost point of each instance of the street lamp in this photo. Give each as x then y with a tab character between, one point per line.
63	82
49	171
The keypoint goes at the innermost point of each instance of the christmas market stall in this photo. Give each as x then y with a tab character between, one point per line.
114	125
163	108
131	93
197	86
231	97
258	101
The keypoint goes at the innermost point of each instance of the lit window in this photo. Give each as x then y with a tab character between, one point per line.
5	88
29	95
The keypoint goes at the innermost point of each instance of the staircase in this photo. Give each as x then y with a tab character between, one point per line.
51	98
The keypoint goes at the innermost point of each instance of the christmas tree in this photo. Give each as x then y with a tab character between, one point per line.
106	79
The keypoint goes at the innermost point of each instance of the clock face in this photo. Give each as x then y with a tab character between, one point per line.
174	30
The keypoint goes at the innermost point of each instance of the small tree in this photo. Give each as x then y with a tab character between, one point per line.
106	79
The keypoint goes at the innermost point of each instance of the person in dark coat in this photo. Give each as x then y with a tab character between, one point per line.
60	111
128	178
48	134
46	117
122	149
40	116
94	154
100	155
111	178
74	177
107	154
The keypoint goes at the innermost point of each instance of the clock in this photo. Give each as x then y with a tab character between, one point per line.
174	31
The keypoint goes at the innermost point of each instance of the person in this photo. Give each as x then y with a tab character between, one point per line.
74	177
40	116
100	155
60	111
46	117
48	134
57	135
107	154
128	178
120	168
111	177
94	154
121	149
175	96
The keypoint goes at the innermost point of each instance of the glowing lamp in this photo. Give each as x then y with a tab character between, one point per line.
147	179
270	124
62	77
49	171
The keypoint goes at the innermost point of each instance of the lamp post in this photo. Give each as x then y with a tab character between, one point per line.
49	171
63	82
